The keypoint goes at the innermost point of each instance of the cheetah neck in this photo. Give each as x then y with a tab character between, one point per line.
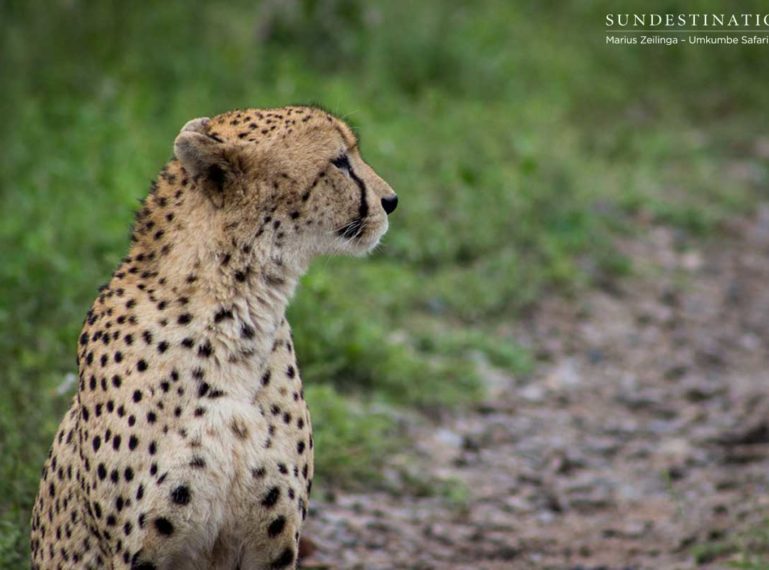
237	289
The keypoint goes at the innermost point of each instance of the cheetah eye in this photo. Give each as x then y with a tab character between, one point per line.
342	163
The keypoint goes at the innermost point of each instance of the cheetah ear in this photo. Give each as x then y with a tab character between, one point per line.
207	159
199	125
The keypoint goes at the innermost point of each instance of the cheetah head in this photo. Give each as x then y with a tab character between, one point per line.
293	176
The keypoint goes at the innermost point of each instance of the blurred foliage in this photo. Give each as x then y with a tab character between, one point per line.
748	550
518	141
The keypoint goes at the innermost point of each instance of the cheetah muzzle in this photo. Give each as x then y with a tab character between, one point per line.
188	444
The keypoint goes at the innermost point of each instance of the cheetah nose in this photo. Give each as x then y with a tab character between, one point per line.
389	203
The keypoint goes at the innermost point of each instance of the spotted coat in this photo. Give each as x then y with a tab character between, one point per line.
188	444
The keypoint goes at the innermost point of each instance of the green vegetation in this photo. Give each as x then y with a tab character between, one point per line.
746	551
518	141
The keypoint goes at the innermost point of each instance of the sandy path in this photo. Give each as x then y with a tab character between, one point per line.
643	431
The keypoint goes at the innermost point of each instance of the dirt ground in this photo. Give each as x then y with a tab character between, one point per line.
643	432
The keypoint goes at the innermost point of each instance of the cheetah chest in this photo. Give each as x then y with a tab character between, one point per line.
258	448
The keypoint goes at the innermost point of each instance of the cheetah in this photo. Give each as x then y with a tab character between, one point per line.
188	444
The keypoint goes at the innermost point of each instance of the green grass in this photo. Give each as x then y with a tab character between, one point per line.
518	142
748	550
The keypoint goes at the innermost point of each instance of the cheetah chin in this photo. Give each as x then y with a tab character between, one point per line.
189	444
